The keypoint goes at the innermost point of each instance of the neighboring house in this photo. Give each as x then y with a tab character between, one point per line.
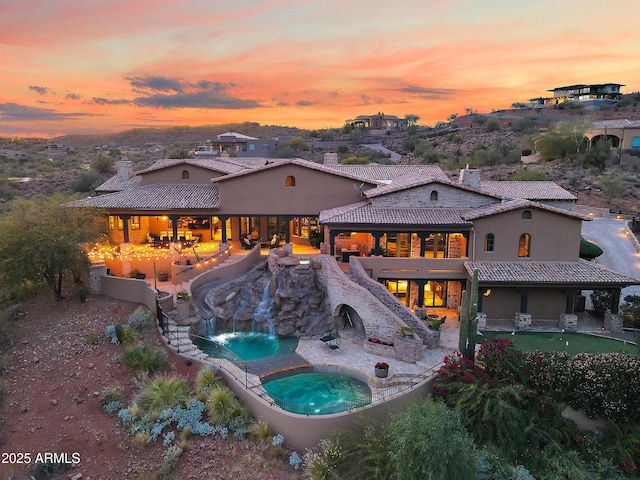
413	229
379	123
623	134
594	93
239	145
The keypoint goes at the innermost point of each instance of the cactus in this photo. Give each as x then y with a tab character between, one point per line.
469	320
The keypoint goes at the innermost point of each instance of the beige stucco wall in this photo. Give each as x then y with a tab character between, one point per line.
553	236
173	174
541	303
266	193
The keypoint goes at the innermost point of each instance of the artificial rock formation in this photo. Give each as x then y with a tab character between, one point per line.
281	296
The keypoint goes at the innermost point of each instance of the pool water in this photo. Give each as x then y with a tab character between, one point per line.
245	346
569	342
318	393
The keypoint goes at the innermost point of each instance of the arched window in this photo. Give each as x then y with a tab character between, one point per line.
489	242
434	195
185	174
524	246
526	215
290	181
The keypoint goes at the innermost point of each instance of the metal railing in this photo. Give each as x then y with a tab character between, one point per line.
377	396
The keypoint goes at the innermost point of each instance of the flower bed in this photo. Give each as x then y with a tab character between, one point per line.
379	347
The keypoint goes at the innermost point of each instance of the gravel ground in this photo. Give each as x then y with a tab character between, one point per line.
56	364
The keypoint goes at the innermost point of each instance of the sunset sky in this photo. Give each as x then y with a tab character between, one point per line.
96	66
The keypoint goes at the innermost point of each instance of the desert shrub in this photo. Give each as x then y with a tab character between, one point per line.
605	385
428	441
501	359
601	301
547	372
260	430
141	319
620	444
492	125
126	334
366	452
631	310
111	399
86	181
524	174
324	461
146	359
207	379
103	164
111	334
223	407
49	470
164	392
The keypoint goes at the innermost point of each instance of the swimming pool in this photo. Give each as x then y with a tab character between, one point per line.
318	393
244	346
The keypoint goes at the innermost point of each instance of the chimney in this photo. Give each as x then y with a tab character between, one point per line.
125	170
331	158
469	177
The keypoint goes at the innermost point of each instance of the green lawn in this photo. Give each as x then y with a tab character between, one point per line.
564	342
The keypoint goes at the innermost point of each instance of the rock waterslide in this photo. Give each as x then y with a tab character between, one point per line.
280	296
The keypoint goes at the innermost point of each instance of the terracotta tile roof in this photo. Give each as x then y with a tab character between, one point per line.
526	190
159	197
406	182
382	173
364	213
508	205
548	273
278	162
402	182
213	165
117	183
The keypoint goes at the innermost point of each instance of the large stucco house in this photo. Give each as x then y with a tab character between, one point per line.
411	228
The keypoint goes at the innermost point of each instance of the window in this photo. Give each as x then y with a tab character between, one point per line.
185	174
399	289
435	294
526	215
489	242
252	147
635	142
524	247
290	181
135	222
112	223
434	195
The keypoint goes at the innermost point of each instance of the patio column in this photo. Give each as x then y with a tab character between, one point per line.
377	236
174	227
287	233
421	283
524	297
423	237
223	224
481	292
615	301
125	227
